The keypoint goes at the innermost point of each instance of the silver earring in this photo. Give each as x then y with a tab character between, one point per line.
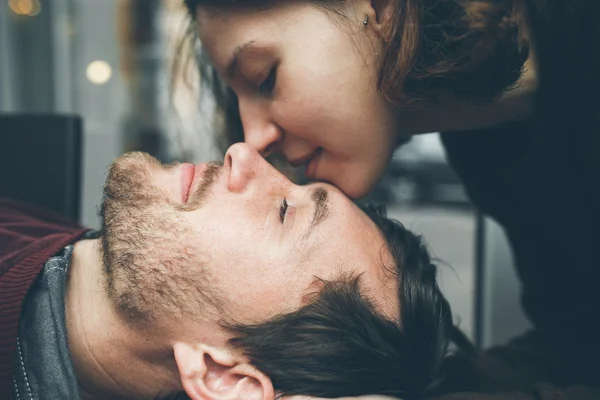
366	21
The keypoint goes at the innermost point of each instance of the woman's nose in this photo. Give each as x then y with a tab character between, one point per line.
260	132
244	163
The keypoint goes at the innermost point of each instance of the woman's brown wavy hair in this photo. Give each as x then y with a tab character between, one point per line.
470	49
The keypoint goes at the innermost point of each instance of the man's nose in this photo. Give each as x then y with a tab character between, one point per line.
260	131
244	163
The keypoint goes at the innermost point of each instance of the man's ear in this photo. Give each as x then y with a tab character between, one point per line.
210	373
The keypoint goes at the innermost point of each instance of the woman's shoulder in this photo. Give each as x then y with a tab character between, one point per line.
565	35
548	14
565	28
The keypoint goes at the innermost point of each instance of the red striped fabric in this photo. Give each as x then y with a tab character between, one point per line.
29	236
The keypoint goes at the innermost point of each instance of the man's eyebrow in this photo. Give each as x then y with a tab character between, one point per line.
320	198
233	61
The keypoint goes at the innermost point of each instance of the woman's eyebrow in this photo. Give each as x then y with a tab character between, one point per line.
232	65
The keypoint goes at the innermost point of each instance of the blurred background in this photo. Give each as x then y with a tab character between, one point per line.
102	69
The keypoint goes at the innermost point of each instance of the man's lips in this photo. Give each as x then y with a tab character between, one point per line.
190	177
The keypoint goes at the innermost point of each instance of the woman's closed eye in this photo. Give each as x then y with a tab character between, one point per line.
268	84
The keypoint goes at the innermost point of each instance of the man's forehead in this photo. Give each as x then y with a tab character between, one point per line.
350	243
376	281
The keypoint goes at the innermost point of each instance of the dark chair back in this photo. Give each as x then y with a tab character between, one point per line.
40	160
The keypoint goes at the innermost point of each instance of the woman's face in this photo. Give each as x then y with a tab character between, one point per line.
306	84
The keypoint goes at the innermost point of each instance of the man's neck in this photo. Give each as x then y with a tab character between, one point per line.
112	360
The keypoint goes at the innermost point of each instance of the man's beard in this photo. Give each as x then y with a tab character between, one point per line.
151	265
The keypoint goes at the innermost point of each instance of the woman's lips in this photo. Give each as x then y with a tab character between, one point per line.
309	162
312	163
190	178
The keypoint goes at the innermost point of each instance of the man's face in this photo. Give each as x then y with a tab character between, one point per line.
246	241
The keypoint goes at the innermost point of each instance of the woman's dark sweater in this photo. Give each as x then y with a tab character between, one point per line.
540	179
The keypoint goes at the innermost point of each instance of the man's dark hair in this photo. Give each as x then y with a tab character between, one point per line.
339	345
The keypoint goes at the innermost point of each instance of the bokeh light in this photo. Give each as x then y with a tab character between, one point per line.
29	8
99	72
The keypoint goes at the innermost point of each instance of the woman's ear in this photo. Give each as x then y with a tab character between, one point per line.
374	14
211	373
